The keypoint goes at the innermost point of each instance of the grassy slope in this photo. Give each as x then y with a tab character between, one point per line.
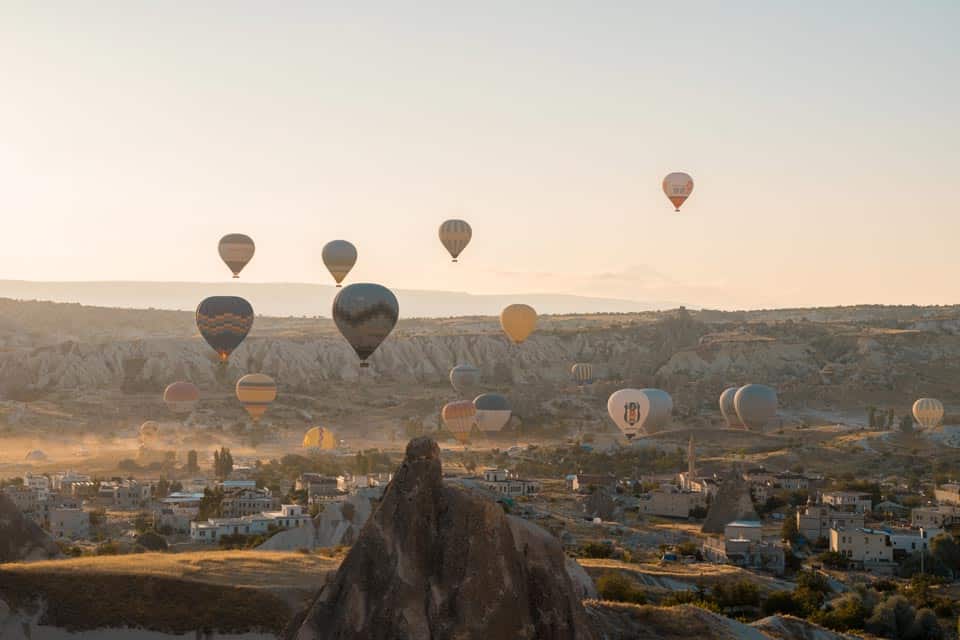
227	591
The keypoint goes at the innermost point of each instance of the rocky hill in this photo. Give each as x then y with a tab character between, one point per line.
435	561
22	539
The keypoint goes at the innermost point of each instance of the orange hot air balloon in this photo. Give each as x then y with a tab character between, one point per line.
518	322
678	186
459	418
181	397
256	391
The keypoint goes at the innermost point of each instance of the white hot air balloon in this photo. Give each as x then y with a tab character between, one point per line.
677	187
756	405
729	409
628	408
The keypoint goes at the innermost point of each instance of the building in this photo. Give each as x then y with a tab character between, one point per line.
69	524
247	502
24	497
38	483
63	480
852	501
507	483
177	511
123	494
791	481
948	494
319	486
815	521
742	545
864	548
230	485
909	541
937	517
587	482
670	501
288	517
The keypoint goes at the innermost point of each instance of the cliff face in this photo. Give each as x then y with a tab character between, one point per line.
435	561
22	539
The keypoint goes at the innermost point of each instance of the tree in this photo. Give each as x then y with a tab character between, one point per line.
789	530
906	424
152	541
192	464
614	585
222	463
946	551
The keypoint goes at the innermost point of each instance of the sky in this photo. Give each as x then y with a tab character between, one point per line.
822	138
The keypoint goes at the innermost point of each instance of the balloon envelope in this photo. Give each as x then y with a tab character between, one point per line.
181	397
518	322
365	314
582	373
928	412
459	418
339	256
678	186
256	391
224	321
728	408
756	405
149	429
236	249
493	411
464	377
628	408
320	438
455	236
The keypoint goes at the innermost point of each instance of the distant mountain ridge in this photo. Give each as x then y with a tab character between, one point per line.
304	299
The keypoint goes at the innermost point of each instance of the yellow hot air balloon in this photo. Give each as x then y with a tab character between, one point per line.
256	391
518	322
319	438
459	418
455	236
678	186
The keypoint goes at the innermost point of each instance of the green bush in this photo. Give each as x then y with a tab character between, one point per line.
596	550
614	585
782	602
152	541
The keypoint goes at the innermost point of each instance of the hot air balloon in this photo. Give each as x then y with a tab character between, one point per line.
455	236
518	322
756	405
582	374
464	377
493	411
365	314
459	418
729	409
236	250
320	438
628	408
181	397
661	410
149	430
256	391
224	321
339	256
678	186
928	412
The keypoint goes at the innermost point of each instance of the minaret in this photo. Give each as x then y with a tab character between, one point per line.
691	461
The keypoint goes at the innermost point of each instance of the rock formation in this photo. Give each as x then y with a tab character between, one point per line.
436	561
732	502
20	538
338	524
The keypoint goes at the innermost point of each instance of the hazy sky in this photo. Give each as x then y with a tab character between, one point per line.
823	138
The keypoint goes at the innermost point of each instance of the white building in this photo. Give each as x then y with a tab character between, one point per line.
815	521
69	524
669	501
37	482
742	545
289	517
854	501
230	485
506	483
63	480
791	481
247	502
934	517
867	548
909	541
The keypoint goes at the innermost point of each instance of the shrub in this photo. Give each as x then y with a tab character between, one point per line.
614	585
596	550
152	541
848	613
833	560
782	602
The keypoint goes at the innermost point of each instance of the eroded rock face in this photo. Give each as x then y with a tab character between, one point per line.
20	538
435	561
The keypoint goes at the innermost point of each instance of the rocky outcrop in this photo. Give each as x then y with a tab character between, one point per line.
20	538
338	524
436	561
791	628
732	502
620	621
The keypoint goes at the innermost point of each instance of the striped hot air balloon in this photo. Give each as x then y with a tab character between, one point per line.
582	373
320	438
339	256
256	391
493	411
181	397
365	314
928	412
459	418
236	250
224	321
678	186
455	236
